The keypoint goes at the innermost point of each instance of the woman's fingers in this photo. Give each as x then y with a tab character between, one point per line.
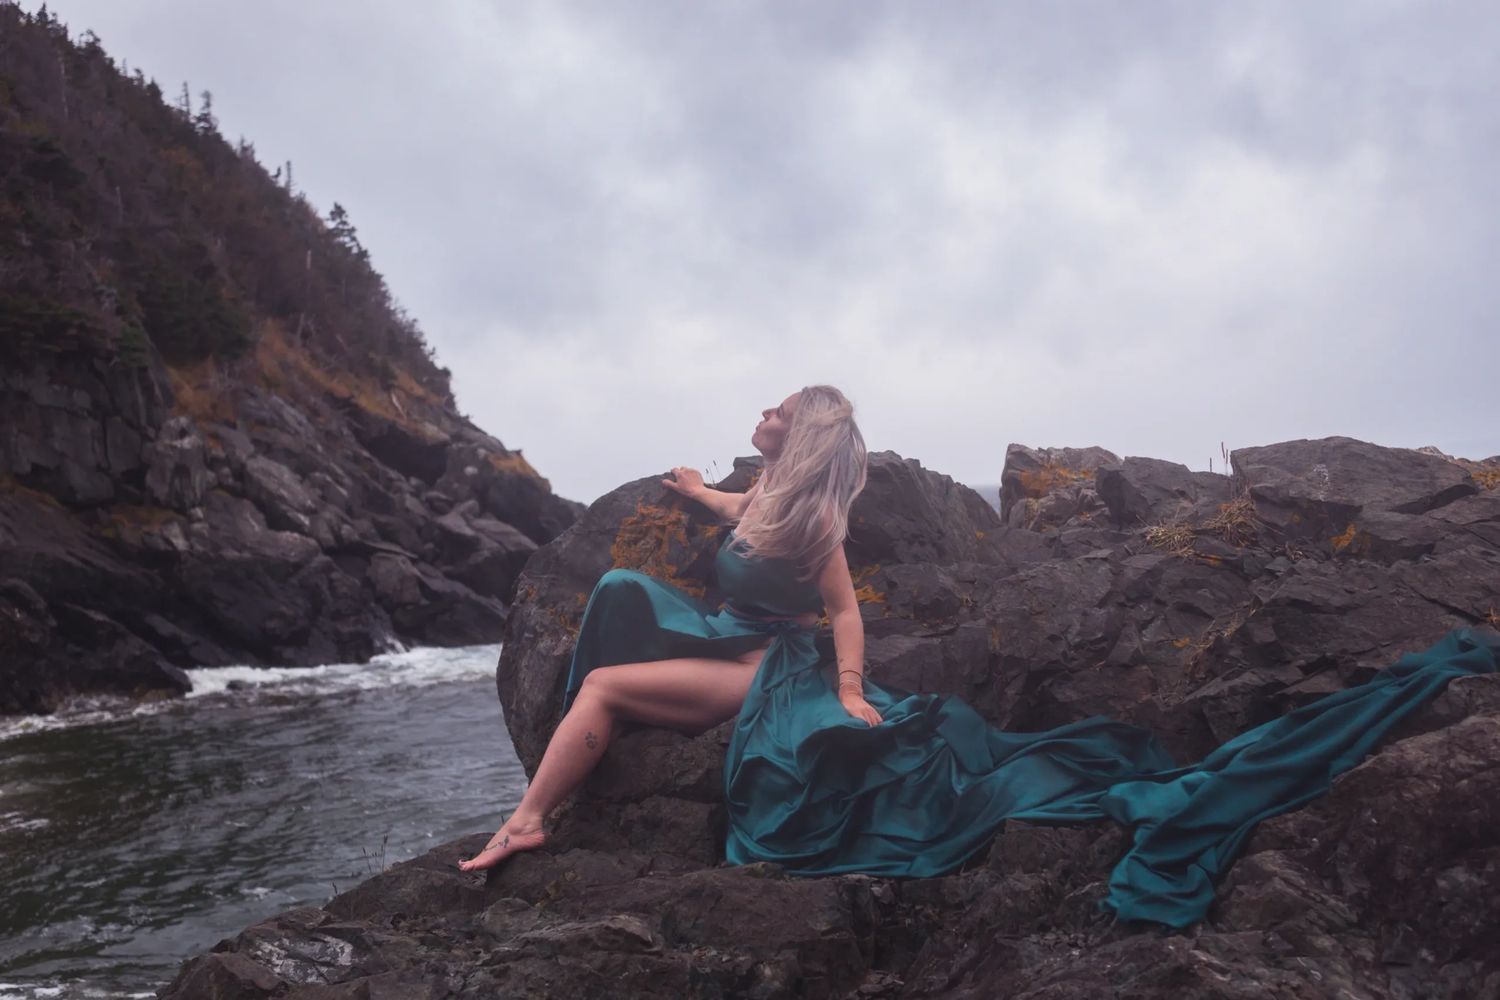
864	713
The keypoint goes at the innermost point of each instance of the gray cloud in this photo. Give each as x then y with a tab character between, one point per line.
627	227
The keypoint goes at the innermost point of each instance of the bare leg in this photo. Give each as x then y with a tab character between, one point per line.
690	694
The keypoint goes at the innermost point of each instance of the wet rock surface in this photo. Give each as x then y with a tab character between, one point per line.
1197	607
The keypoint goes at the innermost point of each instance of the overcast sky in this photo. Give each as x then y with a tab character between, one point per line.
627	227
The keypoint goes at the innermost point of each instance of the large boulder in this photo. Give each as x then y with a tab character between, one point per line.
1146	491
1046	487
1317	492
907	516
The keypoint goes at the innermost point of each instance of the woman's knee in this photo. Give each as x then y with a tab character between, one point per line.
617	577
597	688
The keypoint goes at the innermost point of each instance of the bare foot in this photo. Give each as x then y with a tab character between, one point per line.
514	835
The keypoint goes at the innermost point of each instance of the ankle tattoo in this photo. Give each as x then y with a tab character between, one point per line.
591	740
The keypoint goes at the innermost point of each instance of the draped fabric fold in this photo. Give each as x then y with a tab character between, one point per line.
811	788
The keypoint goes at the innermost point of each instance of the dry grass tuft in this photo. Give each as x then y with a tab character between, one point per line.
130	522
1173	537
1236	522
199	392
279	363
511	463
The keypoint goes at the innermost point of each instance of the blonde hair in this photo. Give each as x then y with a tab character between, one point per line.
802	511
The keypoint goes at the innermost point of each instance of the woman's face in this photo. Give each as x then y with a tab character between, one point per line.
774	422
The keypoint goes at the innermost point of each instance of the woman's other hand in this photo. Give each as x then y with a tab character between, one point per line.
689	482
856	706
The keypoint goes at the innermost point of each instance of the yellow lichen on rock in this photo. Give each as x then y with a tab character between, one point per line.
1051	476
654	540
1350	541
568	622
1487	478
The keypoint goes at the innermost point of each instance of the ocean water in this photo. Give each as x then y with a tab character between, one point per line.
133	837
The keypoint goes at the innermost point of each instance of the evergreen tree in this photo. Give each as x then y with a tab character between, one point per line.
204	121
185	103
343	230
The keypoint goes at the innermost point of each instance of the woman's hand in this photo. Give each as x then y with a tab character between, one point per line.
689	482
854	703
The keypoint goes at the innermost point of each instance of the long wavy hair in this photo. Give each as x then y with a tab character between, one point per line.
802	512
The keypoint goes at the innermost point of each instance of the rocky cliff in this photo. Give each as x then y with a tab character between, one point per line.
221	439
1195	604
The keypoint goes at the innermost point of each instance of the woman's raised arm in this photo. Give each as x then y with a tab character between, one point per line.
689	483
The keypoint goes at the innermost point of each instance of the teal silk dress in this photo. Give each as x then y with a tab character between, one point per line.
813	789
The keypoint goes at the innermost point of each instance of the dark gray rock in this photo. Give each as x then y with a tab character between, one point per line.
1311	490
1044	488
286	502
269	540
909	514
1144	491
176	475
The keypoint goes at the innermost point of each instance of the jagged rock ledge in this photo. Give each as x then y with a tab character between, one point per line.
136	542
1194	604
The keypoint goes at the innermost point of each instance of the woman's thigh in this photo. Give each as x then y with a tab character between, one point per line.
692	693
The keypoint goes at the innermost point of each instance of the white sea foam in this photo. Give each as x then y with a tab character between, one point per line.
29	991
416	667
419	667
82	711
11	821
50	991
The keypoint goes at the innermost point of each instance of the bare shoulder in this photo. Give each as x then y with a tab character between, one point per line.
747	497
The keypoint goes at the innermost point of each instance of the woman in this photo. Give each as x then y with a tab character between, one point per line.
792	522
828	773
